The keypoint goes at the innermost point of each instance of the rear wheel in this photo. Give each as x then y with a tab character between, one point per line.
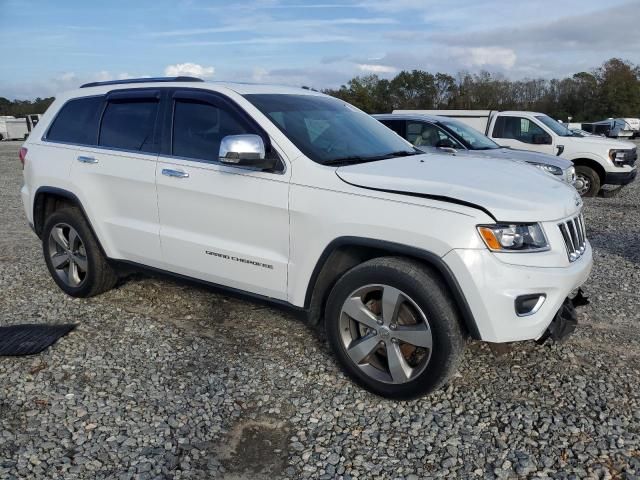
587	181
394	328
73	256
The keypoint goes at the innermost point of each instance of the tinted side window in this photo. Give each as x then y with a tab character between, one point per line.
198	129
129	125
77	122
423	134
498	128
521	129
395	125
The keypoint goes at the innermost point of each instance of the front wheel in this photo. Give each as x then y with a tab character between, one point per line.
587	181
394	328
73	255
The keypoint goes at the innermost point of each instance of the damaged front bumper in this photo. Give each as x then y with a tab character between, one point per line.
566	319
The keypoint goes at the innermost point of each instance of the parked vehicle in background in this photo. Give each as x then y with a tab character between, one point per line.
432	133
12	128
612	128
582	133
304	200
598	161
634	124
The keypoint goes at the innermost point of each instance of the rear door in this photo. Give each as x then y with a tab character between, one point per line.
115	176
219	223
522	133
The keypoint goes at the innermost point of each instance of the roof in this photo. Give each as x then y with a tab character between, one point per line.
98	88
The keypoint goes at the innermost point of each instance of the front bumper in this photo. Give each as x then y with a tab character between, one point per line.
620	178
491	287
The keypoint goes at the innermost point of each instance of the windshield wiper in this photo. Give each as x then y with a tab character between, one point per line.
347	160
354	159
402	153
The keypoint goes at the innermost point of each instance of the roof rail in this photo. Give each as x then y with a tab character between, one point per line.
142	80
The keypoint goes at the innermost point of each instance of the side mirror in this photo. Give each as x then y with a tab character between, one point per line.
541	139
245	151
445	143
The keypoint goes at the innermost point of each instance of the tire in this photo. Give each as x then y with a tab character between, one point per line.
587	181
422	307
92	273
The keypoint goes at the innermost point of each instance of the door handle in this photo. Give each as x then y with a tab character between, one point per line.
83	159
174	173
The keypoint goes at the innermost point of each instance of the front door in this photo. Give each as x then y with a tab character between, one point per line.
222	224
522	133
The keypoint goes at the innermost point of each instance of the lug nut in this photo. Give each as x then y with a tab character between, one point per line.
393	326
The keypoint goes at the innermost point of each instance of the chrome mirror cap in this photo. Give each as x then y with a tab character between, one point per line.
245	149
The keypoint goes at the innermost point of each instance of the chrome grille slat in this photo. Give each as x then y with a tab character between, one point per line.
576	222
574	234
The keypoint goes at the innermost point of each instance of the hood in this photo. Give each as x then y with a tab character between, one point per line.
524	156
601	141
508	191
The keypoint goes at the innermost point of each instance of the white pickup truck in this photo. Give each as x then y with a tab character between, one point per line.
598	161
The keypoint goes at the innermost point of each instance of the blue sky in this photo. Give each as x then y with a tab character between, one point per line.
50	46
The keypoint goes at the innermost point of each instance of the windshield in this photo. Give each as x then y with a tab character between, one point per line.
470	137
557	127
330	131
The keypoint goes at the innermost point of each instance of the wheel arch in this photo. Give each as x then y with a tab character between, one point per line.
344	253
588	162
49	199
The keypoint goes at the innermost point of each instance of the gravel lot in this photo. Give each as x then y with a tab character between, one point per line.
164	379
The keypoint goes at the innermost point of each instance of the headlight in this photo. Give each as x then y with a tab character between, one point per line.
617	155
514	238
552	169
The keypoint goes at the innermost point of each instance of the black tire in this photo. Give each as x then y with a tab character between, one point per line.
425	288
591	177
100	275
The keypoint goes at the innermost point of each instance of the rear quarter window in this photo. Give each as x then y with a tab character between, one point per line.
77	122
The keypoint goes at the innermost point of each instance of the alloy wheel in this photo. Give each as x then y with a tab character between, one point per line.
67	254
385	334
582	184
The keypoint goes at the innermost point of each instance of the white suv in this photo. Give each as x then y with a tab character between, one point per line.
299	198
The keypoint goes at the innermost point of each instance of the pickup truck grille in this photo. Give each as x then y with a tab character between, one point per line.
632	156
575	237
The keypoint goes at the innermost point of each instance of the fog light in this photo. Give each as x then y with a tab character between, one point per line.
529	304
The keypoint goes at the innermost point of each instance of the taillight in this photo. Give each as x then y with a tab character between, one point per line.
23	155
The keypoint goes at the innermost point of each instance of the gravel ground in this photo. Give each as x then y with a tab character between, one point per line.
164	379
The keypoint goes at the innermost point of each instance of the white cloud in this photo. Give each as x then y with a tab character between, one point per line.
259	74
487	57
271	41
52	86
372	68
189	69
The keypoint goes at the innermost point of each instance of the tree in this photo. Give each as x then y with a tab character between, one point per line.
612	90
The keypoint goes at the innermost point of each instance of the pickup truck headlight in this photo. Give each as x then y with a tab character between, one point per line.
528	237
552	169
617	156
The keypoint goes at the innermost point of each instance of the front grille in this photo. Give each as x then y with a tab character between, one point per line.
575	237
631	157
